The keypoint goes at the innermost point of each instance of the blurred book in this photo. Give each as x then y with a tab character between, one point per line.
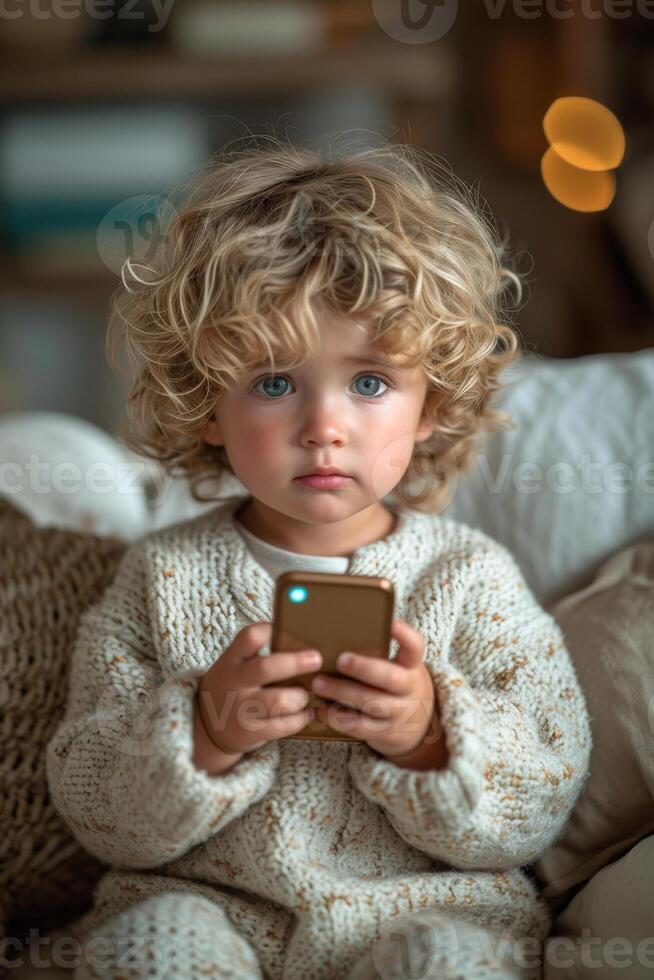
64	254
236	27
63	171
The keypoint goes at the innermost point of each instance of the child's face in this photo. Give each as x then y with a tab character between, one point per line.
329	412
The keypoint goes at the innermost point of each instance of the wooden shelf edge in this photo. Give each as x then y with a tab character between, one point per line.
423	73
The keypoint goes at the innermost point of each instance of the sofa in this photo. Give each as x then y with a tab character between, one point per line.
569	489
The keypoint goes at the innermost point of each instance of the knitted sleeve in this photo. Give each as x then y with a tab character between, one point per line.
119	765
516	726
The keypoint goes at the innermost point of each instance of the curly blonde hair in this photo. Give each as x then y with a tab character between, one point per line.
264	232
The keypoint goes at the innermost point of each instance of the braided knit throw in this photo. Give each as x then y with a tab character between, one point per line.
48	578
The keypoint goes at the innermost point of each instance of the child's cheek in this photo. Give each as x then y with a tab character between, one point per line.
260	447
265	438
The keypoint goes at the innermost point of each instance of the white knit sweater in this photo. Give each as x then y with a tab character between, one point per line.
313	845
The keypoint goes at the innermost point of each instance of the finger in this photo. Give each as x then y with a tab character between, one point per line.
352	694
385	675
411	644
268	721
352	722
249	639
283	700
276	667
281	725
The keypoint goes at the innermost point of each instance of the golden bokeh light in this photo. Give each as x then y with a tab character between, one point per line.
581	190
584	133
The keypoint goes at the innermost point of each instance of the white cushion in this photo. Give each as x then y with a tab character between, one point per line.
65	472
531	487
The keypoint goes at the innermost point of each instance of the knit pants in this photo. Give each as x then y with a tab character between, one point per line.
181	936
175	936
433	945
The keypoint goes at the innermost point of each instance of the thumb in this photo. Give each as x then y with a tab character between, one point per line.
411	644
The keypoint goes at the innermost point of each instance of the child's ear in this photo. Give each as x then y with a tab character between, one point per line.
426	425
425	429
212	433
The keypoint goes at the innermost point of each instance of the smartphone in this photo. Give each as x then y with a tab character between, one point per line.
330	613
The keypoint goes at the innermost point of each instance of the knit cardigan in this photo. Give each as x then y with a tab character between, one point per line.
329	836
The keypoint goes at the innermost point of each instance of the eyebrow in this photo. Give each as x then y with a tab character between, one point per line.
370	360
358	359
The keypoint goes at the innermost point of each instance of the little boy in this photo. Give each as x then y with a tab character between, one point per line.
308	316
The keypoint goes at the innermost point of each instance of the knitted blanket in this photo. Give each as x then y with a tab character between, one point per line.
48	578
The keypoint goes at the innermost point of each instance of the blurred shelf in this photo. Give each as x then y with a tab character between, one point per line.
24	278
419	72
418	79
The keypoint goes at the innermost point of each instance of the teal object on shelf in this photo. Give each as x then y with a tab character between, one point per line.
25	220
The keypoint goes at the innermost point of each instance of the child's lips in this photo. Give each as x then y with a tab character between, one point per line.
327	482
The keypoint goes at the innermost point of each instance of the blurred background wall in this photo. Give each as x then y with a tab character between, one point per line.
105	105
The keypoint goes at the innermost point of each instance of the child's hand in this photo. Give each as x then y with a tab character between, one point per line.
393	700
238	712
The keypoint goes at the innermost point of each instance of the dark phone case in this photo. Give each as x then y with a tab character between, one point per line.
340	612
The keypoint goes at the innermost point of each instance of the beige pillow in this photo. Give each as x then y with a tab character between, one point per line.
609	628
48	578
607	930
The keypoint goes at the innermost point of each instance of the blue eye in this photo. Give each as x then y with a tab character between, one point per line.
376	379
274	382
